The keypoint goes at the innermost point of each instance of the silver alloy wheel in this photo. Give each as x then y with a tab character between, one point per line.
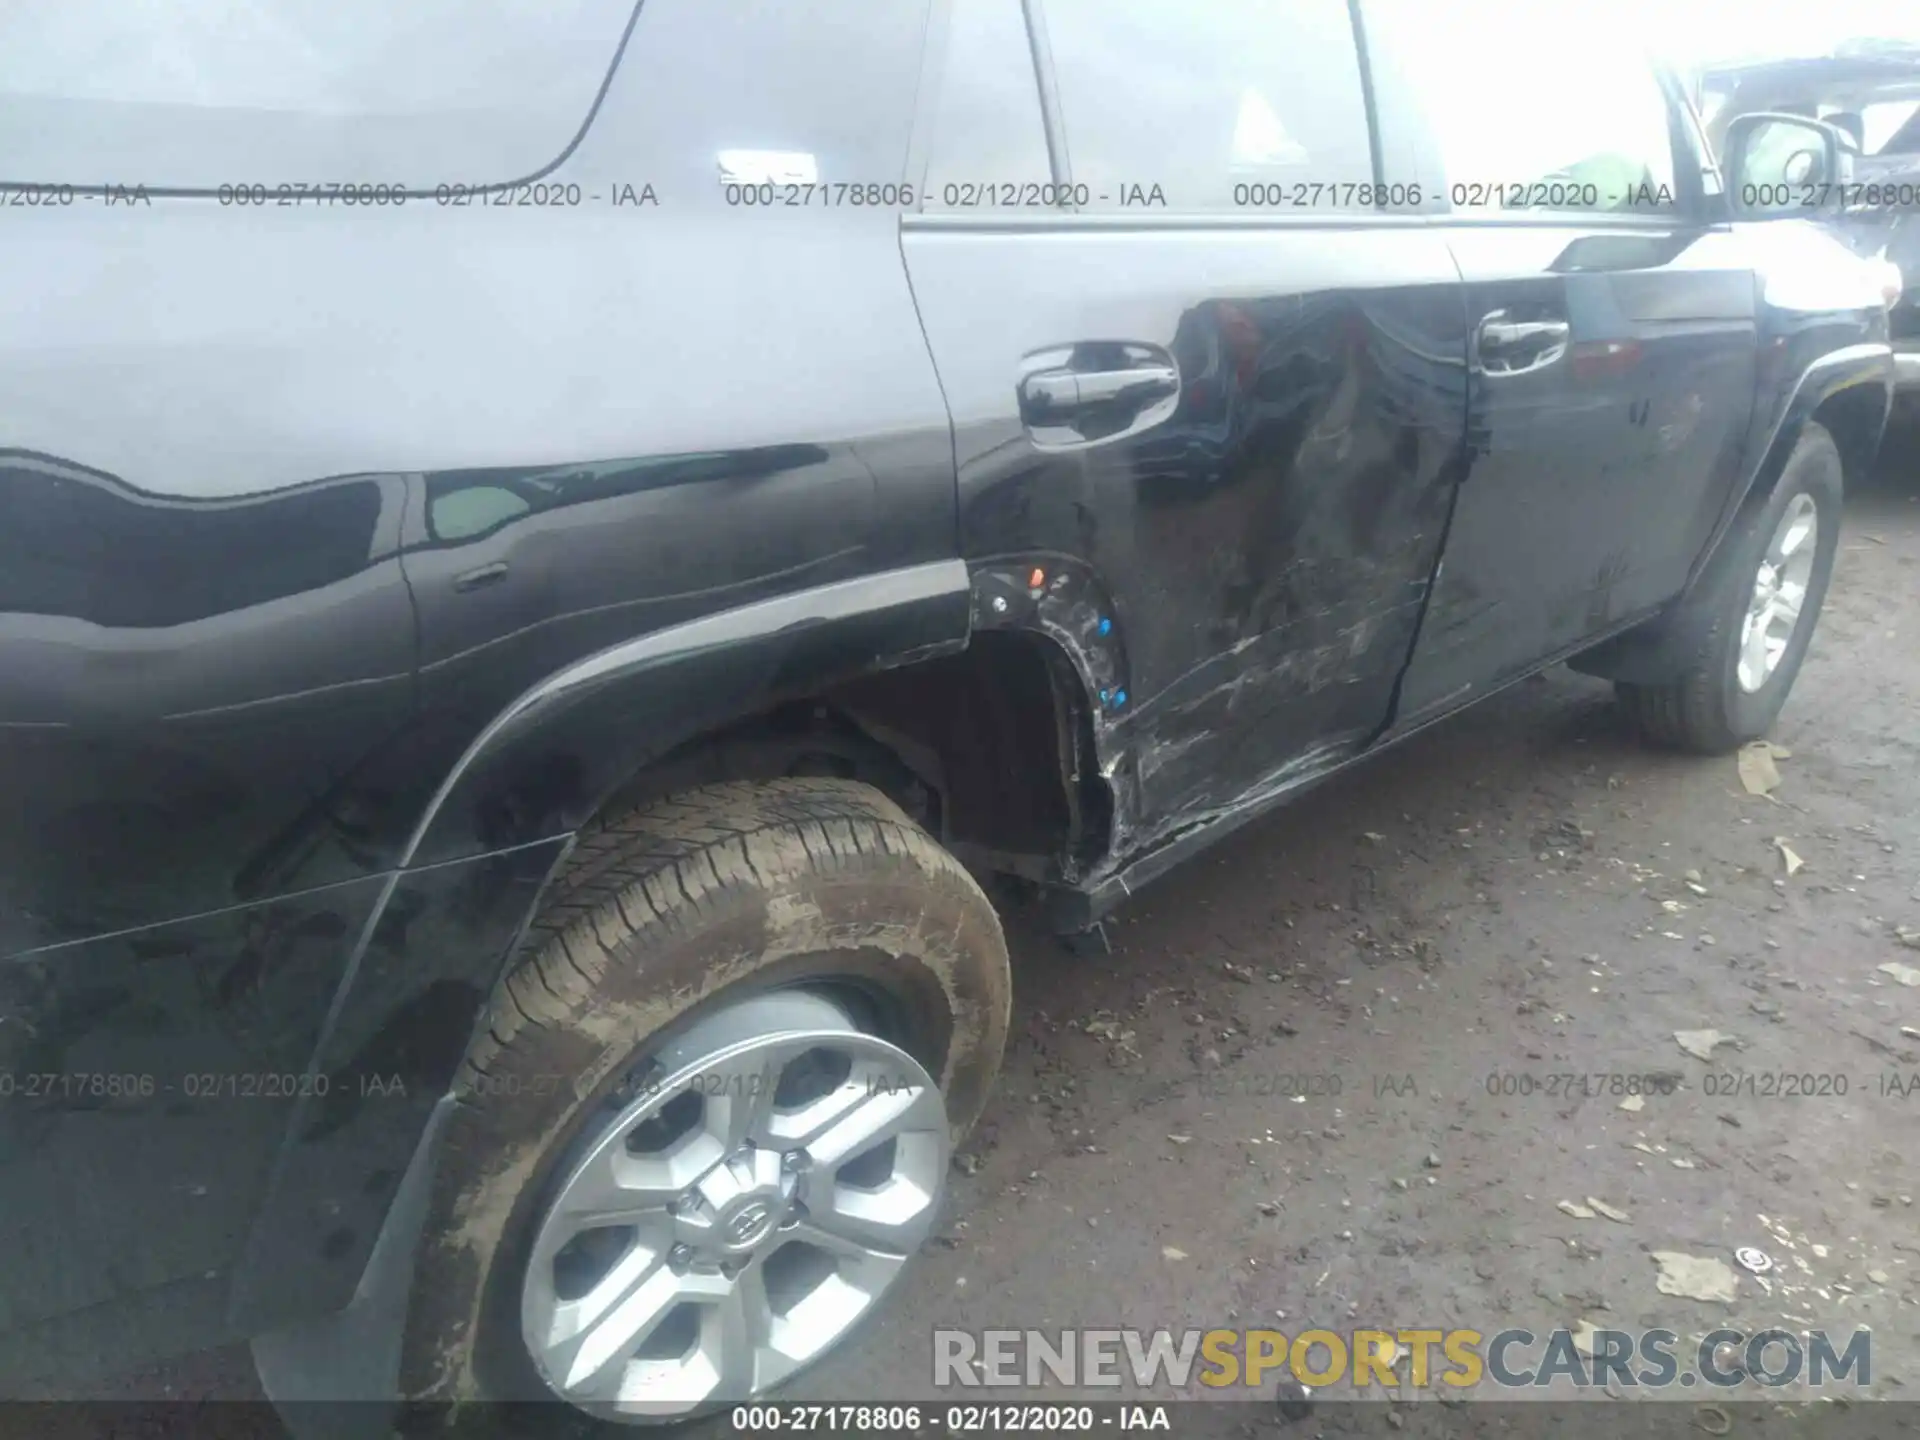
1779	593
734	1221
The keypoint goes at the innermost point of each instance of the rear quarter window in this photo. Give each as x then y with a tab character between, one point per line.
197	94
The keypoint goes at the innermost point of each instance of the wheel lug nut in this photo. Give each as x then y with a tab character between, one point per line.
795	1161
680	1257
687	1204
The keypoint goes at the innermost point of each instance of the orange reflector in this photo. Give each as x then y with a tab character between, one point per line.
1037	578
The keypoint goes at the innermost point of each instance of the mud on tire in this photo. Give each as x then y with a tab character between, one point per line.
731	889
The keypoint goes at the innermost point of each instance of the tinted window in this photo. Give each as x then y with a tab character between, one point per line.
1202	98
1529	108
195	94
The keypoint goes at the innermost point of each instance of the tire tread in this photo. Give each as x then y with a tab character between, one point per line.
659	863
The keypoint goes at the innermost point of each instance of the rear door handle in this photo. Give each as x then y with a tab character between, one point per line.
1506	346
1067	404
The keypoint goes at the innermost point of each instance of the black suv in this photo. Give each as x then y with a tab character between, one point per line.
544	551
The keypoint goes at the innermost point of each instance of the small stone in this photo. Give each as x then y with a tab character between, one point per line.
1433	1162
1700	1043
1399	1184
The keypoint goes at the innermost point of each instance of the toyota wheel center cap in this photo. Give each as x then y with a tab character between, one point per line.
747	1223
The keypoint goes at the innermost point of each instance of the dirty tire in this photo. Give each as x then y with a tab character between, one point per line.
725	890
1705	710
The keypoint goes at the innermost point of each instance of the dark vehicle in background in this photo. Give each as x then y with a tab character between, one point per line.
1871	93
545	553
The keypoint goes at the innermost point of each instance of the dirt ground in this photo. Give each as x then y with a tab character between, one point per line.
1282	1101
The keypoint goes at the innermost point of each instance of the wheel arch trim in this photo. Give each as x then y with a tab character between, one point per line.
1652	653
1825	377
605	716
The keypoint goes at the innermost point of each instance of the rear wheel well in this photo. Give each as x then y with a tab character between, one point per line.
990	750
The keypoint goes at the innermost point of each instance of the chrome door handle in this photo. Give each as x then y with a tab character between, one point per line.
1505	346
1092	394
1049	396
1504	333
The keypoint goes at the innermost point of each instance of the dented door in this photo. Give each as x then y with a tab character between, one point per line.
1612	330
1262	535
1600	463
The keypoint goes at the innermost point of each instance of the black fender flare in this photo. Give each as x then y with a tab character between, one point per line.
1654	652
555	755
538	771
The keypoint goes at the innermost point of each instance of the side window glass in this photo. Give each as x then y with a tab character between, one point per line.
1530	109
989	142
1891	127
1225	105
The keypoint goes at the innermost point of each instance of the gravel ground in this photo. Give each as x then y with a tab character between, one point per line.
1523	892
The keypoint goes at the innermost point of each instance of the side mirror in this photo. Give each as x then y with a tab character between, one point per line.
1785	166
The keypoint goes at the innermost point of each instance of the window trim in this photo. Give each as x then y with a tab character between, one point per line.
1040	46
1052	114
1691	207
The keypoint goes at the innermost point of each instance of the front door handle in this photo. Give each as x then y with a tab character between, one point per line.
1073	397
1505	346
